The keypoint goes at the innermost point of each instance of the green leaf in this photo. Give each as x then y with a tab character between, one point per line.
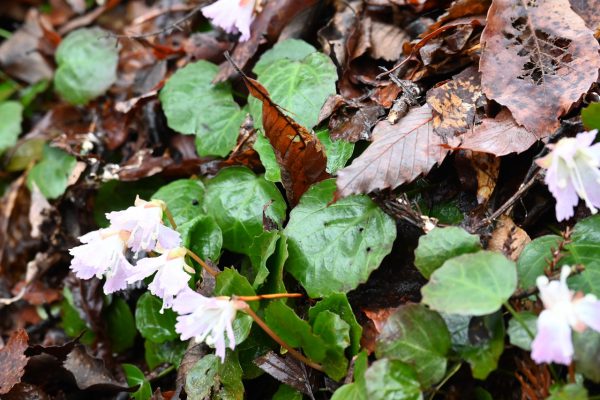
534	259
418	336
136	377
160	353
338	151
447	212
72	323
517	334
152	324
194	105
338	304
121	325
229	283
335	248
285	392
291	49
440	245
87	65
590	116
267	157
275	264
203	236
587	353
184	199
24	153
11	115
294	331
51	174
584	249
471	284
236	199
262	248
572	391
210	376
483	344
392	380
335	332
299	87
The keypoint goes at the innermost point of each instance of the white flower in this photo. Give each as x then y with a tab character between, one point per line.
144	221
232	16
207	319
102	254
172	274
564	311
573	172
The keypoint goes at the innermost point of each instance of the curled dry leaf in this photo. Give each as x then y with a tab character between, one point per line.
508	238
399	153
13	360
461	9
299	154
589	10
538	58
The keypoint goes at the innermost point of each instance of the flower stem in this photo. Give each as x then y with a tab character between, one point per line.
269	296
294	353
518	318
204	265
170	218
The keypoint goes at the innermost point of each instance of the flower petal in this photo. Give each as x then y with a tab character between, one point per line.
587	311
553	340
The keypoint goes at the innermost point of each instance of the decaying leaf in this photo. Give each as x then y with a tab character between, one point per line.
13	360
589	10
538	58
399	153
460	9
299	154
508	238
455	103
482	170
287	370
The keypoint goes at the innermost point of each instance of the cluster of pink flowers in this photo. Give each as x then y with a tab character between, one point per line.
232	16
141	230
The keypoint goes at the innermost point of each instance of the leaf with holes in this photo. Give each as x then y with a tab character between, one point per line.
538	58
589	10
399	153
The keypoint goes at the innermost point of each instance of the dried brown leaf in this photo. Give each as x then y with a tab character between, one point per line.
589	10
386	41
538	58
299	154
461	9
508	238
13	360
399	153
287	370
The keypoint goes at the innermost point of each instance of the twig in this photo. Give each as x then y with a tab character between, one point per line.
509	203
269	296
293	352
168	29
157	13
524	293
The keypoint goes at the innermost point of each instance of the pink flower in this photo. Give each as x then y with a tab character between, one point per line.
206	319
145	223
231	15
573	173
172	274
102	254
564	310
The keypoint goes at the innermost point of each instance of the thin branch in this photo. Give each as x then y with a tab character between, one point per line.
269	296
170	28
204	265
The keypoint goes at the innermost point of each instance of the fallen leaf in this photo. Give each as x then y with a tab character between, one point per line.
13	360
500	136
508	238
460	9
589	10
299	154
538	58
386	41
286	370
399	153
483	168
455	103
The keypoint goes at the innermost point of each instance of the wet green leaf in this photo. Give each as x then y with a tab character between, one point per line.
11	115
51	174
152	324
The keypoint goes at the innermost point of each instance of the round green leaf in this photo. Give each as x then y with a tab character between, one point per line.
299	87
152	324
584	249
135	377
184	199
11	115
168	352
121	326
587	353
236	198
335	248
194	105
517	334
471	284
292	49
51	174
418	336
392	380
590	116
203	236
534	259
440	245
87	65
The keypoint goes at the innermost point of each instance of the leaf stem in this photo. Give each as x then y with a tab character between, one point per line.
518	318
294	353
204	265
269	296
449	375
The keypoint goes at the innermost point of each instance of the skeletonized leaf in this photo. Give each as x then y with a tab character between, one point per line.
538	58
399	153
299	154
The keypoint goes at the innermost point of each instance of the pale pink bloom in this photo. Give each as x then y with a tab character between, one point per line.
145	223
172	274
231	15
207	319
564	310
573	172
102	254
